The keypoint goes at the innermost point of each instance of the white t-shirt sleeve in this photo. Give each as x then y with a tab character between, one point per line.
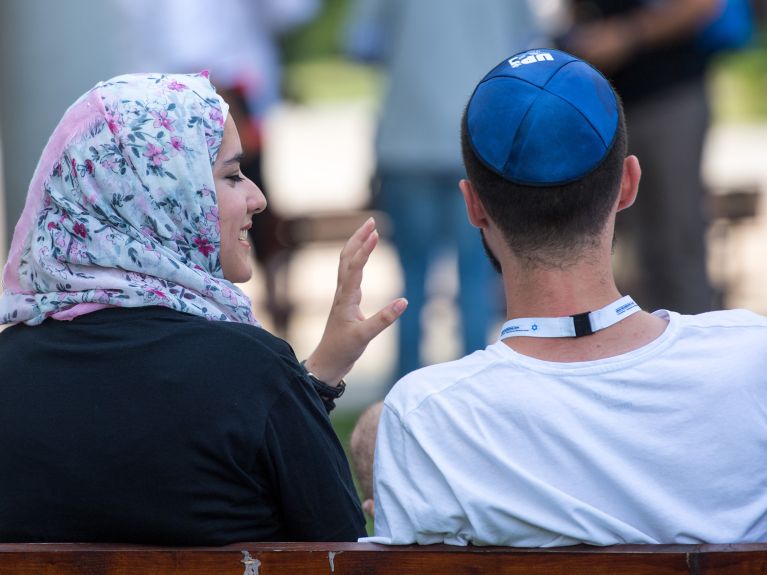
394	523
423	511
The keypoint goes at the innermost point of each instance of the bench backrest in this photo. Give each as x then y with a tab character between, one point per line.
368	559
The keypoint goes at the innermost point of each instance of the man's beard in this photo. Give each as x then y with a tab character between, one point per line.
493	260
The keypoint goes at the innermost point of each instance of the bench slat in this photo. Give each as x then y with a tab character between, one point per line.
368	559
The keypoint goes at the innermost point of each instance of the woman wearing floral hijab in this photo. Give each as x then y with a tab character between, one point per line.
140	400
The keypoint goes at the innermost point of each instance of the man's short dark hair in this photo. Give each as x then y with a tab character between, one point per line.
549	225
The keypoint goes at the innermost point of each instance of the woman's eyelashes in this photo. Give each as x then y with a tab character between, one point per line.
235	178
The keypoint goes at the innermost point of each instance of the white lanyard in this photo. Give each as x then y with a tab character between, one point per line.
577	325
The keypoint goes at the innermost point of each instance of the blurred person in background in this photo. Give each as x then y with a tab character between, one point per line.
655	55
431	52
238	40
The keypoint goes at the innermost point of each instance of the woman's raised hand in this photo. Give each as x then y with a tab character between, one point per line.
347	331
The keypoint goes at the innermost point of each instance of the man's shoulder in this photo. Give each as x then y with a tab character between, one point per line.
726	319
420	385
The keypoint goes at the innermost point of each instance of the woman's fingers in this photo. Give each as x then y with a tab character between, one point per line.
378	322
347	331
350	279
356	242
345	339
354	257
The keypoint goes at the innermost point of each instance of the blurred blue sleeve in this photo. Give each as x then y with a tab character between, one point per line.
367	33
731	29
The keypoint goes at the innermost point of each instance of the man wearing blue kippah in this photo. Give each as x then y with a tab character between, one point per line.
589	420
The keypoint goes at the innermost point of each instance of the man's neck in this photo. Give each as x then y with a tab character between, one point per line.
584	286
551	292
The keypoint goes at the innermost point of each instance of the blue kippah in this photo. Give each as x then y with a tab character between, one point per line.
542	118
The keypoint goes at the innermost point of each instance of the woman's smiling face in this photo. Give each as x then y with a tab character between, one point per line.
238	199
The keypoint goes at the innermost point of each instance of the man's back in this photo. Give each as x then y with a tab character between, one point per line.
662	444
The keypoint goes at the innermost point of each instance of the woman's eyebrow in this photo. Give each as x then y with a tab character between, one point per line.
236	159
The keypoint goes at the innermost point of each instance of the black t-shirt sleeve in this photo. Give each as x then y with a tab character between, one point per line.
309	469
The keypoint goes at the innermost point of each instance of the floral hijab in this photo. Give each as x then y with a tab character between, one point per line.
122	208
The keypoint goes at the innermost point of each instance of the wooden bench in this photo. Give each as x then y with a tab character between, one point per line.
368	559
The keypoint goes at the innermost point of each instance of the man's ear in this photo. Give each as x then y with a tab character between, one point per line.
632	173
474	208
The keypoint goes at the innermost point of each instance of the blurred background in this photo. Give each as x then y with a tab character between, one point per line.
309	85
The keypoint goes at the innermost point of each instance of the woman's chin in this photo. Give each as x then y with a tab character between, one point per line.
239	276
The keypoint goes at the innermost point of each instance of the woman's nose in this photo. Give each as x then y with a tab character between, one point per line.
256	200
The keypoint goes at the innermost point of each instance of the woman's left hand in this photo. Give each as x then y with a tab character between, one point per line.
347	331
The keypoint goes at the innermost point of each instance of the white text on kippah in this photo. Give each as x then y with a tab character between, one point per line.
529	58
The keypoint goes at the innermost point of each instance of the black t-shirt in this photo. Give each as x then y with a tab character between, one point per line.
153	426
651	71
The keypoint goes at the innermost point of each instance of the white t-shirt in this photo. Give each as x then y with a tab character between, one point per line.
664	444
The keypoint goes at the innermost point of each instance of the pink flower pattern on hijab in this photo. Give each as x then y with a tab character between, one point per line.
113	218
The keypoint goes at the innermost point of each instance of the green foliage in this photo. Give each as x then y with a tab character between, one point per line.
739	82
322	37
343	422
316	68
330	79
